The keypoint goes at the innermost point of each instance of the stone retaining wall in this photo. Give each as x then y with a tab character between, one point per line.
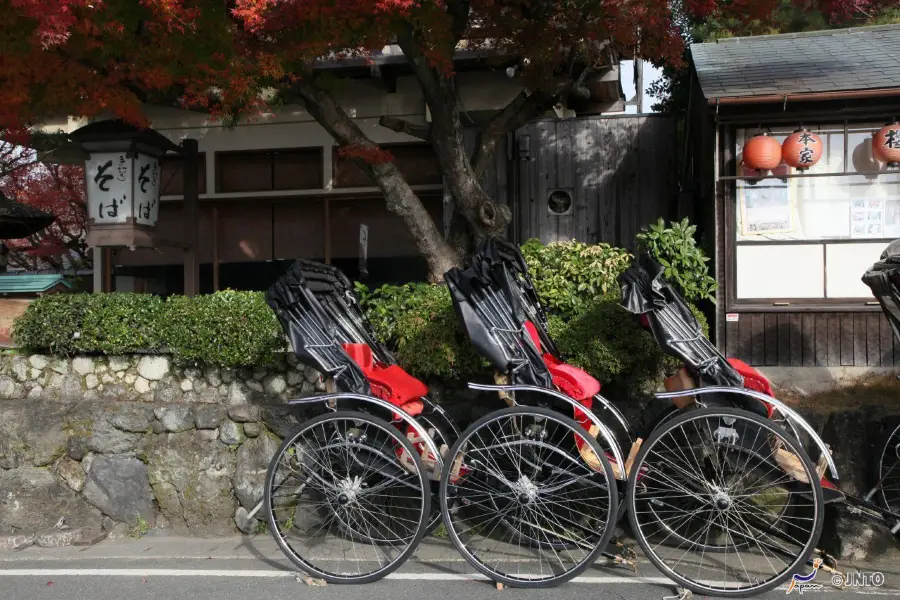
134	444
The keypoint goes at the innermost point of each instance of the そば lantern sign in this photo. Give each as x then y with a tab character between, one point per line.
802	149
122	176
762	152
886	144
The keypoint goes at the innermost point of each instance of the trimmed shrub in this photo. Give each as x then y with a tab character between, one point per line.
104	323
227	329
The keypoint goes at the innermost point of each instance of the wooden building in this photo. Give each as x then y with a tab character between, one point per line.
791	247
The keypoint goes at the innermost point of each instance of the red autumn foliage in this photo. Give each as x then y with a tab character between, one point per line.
372	156
54	189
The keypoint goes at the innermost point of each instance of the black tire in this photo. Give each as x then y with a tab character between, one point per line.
518	530
887	471
722	503
374	463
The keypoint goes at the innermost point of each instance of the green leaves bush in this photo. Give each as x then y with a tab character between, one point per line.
229	328
569	275
577	283
675	248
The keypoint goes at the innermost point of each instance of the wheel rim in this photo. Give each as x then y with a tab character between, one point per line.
342	502
713	505
529	508
889	472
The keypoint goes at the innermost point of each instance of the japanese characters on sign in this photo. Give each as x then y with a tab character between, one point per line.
146	190
108	177
120	187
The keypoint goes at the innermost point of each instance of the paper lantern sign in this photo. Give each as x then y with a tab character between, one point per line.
886	144
802	149
762	152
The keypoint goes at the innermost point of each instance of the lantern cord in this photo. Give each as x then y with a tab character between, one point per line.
784	108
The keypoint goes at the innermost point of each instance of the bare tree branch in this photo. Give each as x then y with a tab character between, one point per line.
423	132
399	197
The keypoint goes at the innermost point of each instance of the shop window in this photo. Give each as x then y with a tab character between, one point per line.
813	237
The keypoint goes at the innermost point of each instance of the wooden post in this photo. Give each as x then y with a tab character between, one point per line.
107	270
215	247
327	225
191	201
98	269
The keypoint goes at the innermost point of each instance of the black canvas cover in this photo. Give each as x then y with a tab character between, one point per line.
883	278
503	263
308	304
494	322
646	292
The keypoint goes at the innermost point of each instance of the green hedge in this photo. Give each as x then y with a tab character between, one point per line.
578	284
229	328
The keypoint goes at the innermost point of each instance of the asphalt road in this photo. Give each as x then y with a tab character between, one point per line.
251	569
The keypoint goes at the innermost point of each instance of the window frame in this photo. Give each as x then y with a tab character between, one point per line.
728	181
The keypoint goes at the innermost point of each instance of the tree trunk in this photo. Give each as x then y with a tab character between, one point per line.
399	197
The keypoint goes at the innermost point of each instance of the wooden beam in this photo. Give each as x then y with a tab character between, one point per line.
215	247
191	202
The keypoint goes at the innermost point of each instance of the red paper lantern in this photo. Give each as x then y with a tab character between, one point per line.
886	144
802	149
762	152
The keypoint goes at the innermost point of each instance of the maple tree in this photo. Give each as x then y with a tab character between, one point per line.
92	57
54	189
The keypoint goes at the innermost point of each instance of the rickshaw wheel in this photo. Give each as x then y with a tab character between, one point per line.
888	470
705	502
341	504
528	497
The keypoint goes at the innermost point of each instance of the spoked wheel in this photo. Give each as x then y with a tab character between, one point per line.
528	497
342	504
724	502
889	472
442	431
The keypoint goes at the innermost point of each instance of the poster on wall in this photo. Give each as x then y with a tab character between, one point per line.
867	218
766	209
892	217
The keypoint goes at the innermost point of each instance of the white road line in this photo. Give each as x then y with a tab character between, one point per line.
259	573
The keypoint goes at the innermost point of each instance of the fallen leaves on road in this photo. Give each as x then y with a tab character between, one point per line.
49	583
311	581
680	594
499	585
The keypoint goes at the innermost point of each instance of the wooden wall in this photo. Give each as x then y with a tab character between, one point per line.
620	172
813	339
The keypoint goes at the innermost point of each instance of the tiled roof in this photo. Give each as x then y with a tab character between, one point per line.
797	63
29	284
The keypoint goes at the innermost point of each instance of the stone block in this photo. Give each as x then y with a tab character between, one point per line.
243	413
153	368
176	418
120	488
208	416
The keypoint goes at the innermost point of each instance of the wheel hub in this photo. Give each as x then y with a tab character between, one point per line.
722	501
525	490
348	489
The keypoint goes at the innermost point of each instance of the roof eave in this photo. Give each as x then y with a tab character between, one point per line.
804	97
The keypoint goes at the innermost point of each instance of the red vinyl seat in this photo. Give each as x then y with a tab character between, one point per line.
389	382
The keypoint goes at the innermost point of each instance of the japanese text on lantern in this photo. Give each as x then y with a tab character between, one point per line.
108	180
892	139
146	190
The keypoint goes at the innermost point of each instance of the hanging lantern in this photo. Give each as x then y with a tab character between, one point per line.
762	152
802	149
886	144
